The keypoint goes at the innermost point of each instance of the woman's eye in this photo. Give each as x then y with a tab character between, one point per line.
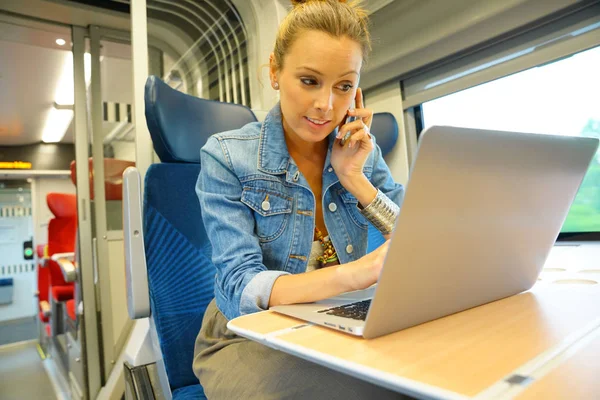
308	81
345	87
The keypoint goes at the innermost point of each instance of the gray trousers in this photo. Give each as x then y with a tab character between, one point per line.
231	367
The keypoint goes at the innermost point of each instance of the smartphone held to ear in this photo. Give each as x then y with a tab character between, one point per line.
349	119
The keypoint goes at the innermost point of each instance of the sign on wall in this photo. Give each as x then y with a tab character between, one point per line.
38	156
15	165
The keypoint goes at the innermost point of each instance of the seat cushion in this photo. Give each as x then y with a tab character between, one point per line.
192	392
180	272
62	293
62	232
71	309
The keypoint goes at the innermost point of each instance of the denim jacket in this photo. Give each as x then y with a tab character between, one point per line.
258	211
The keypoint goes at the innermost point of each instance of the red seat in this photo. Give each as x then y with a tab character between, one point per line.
113	177
61	239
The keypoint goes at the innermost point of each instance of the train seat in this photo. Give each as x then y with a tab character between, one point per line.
113	177
113	193
179	270
61	239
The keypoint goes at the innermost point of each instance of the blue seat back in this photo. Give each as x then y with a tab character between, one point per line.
385	129
178	252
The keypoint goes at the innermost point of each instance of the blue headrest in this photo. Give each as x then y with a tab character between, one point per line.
180	124
385	129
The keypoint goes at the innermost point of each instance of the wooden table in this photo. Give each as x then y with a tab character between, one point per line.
498	350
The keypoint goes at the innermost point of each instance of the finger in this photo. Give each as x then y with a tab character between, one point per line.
366	114
352	126
345	138
362	135
350	131
346	125
359	98
346	130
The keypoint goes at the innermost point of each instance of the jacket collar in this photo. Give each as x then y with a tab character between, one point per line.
273	155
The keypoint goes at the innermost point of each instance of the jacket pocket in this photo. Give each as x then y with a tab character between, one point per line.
272	211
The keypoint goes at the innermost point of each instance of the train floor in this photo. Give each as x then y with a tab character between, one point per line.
25	375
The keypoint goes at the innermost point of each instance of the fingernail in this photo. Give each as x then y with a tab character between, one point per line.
339	135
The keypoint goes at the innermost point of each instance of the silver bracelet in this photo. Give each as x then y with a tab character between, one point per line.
381	212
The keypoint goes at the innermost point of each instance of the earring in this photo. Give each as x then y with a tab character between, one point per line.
276	86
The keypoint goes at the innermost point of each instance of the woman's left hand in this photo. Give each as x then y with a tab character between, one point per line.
348	160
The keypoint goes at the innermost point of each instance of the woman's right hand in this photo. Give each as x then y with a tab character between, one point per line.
364	272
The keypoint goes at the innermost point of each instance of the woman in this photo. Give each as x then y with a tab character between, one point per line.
286	205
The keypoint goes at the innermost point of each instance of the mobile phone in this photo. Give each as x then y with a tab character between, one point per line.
349	118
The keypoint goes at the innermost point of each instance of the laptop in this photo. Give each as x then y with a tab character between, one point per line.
481	213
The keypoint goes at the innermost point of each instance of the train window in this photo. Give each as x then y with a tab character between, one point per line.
556	98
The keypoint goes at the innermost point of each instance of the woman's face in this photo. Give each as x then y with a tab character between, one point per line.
317	84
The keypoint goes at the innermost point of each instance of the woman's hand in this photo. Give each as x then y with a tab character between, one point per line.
364	272
348	160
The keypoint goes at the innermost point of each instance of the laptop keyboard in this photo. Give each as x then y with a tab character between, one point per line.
356	310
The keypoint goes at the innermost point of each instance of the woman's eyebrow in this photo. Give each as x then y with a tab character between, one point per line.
320	73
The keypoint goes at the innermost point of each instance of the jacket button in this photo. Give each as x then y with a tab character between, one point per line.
266	205
332	207
296	176
349	249
329	169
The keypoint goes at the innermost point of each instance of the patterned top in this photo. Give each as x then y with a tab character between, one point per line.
315	251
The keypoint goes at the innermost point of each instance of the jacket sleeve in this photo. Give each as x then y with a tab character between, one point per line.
242	278
382	179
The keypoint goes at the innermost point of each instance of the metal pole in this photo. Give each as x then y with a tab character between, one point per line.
90	340
139	56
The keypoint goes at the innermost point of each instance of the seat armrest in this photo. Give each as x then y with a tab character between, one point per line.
67	256
138	300
68	269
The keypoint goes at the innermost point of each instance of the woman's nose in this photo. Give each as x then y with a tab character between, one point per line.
324	100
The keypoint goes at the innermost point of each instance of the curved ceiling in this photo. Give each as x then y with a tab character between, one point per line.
215	66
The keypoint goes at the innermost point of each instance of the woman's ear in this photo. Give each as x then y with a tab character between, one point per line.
273	70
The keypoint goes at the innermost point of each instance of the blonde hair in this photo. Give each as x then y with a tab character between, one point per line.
337	18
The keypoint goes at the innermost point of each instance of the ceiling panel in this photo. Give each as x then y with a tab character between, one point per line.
30	68
28	79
